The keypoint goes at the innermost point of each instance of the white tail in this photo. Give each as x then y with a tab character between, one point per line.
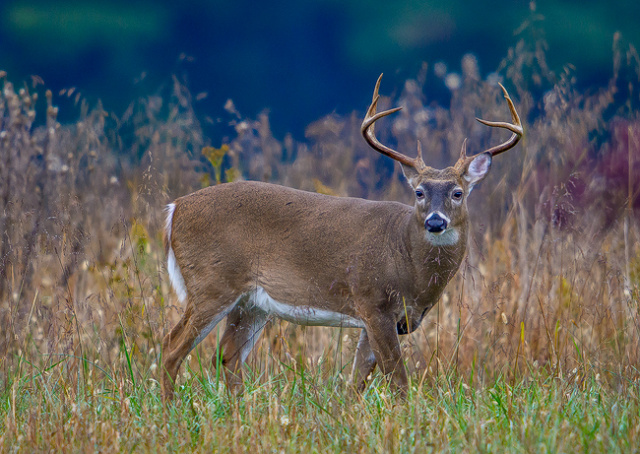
248	250
175	276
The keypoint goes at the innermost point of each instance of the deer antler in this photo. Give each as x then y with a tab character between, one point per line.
368	132
515	128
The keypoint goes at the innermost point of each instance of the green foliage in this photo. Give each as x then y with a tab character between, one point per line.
215	156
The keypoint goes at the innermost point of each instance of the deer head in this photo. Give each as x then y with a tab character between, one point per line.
441	195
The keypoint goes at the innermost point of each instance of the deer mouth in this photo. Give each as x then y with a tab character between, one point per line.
439	231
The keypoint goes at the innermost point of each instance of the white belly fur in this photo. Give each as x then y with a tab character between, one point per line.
302	315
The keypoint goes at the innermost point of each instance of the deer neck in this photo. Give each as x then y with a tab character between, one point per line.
434	263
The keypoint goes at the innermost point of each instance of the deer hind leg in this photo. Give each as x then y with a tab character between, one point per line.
244	326
385	344
364	362
198	320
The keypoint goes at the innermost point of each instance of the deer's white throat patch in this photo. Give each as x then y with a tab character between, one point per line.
302	315
447	238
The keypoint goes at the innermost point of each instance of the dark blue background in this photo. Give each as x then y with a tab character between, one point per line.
299	59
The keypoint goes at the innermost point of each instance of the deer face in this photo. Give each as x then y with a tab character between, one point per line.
441	196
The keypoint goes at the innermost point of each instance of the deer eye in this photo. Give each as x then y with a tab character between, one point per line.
419	194
457	194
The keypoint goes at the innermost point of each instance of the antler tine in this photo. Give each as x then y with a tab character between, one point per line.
368	132
515	128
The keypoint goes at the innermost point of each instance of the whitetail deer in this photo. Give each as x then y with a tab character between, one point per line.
248	250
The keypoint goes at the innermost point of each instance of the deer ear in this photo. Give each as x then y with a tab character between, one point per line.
410	173
477	169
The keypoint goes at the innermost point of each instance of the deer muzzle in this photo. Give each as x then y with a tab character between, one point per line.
436	222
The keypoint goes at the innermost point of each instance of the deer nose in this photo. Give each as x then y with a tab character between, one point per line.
435	223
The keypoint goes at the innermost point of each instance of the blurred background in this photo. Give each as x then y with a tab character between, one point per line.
298	59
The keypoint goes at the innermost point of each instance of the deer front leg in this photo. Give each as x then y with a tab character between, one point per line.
364	362
383	340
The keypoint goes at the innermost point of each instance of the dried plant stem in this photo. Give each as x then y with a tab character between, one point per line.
628	212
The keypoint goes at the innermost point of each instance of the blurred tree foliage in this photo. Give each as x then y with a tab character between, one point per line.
301	60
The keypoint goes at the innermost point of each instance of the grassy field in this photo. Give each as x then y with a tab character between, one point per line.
535	345
305	411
